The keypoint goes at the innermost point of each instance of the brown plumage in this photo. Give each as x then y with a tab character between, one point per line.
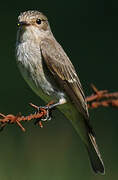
50	73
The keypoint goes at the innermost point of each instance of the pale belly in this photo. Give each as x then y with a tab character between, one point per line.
37	75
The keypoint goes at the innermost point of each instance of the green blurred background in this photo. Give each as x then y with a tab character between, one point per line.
88	31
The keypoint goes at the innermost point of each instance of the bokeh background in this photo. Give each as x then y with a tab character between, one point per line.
88	31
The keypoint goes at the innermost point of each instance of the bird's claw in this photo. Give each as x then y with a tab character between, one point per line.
47	113
47	117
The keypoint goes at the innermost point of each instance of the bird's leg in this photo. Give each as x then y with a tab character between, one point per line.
50	107
47	115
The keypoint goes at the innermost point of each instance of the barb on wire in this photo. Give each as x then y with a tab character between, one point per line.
102	98
98	98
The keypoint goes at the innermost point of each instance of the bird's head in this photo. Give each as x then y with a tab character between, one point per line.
33	24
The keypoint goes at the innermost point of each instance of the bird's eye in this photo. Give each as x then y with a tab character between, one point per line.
18	24
38	21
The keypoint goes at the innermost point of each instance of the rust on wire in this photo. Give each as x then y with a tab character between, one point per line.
10	118
97	99
102	98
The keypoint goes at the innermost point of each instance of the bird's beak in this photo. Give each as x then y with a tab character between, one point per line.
22	23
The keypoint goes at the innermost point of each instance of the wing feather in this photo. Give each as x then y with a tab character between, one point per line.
59	65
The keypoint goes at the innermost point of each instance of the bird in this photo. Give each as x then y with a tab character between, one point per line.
49	72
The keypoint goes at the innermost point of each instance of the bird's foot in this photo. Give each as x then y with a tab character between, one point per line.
47	116
47	112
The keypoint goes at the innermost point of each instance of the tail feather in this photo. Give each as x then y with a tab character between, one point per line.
84	129
94	155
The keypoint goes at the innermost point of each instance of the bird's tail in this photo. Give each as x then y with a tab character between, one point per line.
86	133
94	155
84	129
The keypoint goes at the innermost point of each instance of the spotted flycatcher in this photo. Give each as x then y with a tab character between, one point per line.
51	75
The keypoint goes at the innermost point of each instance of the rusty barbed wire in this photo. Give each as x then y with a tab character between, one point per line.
102	98
97	99
10	118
